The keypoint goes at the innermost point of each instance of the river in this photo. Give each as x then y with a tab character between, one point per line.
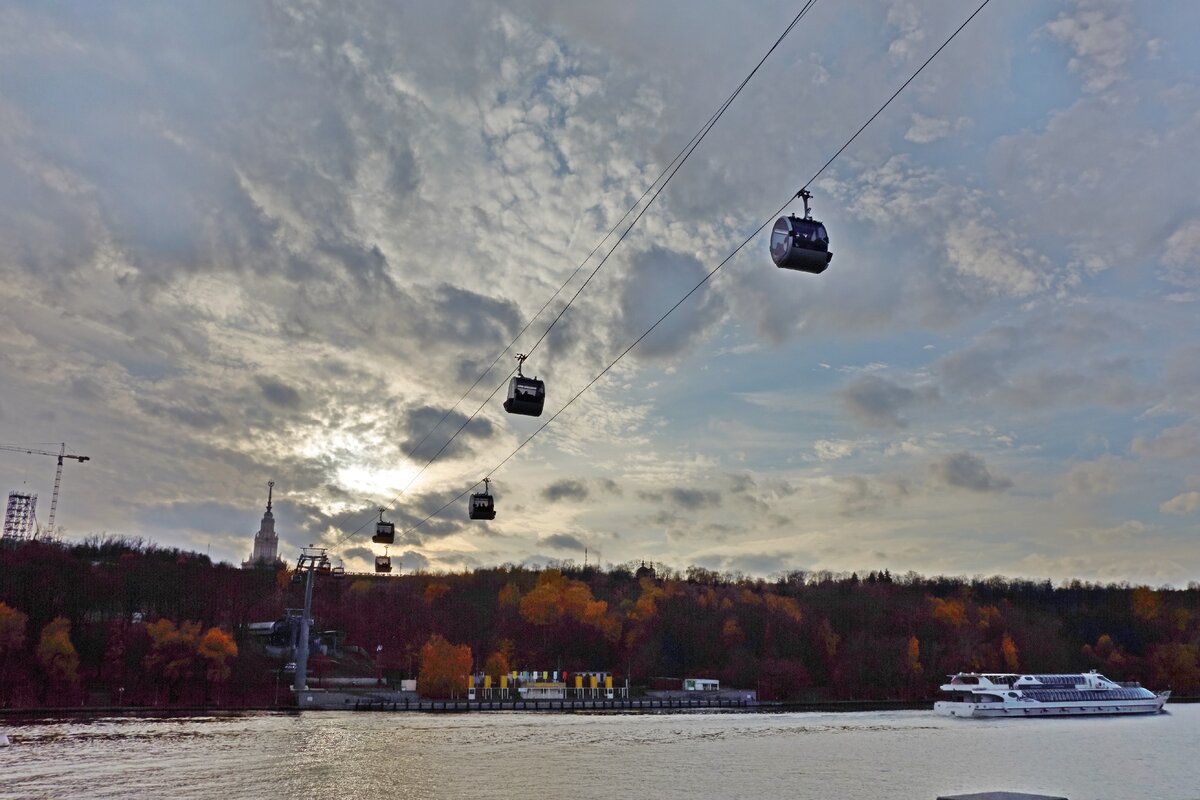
898	755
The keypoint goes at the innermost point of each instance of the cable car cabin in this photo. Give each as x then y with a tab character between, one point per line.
338	572
385	532
483	506
525	396
800	244
383	563
324	568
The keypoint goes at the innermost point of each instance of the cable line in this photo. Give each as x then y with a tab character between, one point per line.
707	277
673	167
669	171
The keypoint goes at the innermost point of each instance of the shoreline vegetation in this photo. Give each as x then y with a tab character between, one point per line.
112	624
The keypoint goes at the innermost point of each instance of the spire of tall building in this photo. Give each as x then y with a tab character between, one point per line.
266	543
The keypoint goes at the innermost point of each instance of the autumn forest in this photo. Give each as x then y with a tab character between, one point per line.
118	622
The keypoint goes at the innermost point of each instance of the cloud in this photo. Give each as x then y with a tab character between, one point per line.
966	471
1182	256
1179	442
1101	37
1094	478
279	393
682	497
412	561
764	564
877	402
862	494
655	280
424	436
1186	503
565	489
561	541
930	129
995	260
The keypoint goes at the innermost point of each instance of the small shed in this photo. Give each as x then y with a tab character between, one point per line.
545	691
701	685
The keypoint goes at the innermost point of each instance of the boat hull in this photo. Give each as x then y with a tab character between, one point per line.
1018	708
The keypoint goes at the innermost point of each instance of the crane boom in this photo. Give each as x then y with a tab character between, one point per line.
60	455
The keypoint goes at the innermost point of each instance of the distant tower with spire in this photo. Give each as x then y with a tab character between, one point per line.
266	543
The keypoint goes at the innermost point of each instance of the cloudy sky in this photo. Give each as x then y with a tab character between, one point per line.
243	242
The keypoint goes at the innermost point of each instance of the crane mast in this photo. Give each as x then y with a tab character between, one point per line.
60	455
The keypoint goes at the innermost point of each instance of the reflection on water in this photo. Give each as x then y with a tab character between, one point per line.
893	755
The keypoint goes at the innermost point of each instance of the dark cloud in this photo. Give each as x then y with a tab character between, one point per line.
966	471
462	316
877	401
561	541
364	553
863	494
279	393
565	490
424	436
84	387
610	486
412	561
655	280
198	414
684	497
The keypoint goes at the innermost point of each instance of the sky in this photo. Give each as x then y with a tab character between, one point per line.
253	241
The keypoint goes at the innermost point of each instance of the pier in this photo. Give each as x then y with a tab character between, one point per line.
618	704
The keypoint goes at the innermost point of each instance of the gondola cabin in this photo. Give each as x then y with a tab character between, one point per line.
383	563
385	532
525	396
800	243
338	572
483	506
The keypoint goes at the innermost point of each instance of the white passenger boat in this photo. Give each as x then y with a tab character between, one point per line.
1015	695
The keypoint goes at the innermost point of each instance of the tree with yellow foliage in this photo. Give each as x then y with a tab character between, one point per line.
59	661
12	641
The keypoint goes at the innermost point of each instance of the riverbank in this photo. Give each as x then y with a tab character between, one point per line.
832	706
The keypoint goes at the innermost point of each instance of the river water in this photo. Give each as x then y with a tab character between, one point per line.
860	756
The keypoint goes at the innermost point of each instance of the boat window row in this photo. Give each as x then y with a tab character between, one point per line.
1073	695
1059	680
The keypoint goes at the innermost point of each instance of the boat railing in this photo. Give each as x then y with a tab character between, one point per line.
1129	684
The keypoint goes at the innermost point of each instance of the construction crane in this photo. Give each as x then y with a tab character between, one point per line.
60	455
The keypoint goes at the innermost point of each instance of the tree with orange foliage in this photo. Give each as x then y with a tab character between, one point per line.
444	668
912	658
500	662
218	649
950	612
172	656
59	660
1008	649
1147	603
